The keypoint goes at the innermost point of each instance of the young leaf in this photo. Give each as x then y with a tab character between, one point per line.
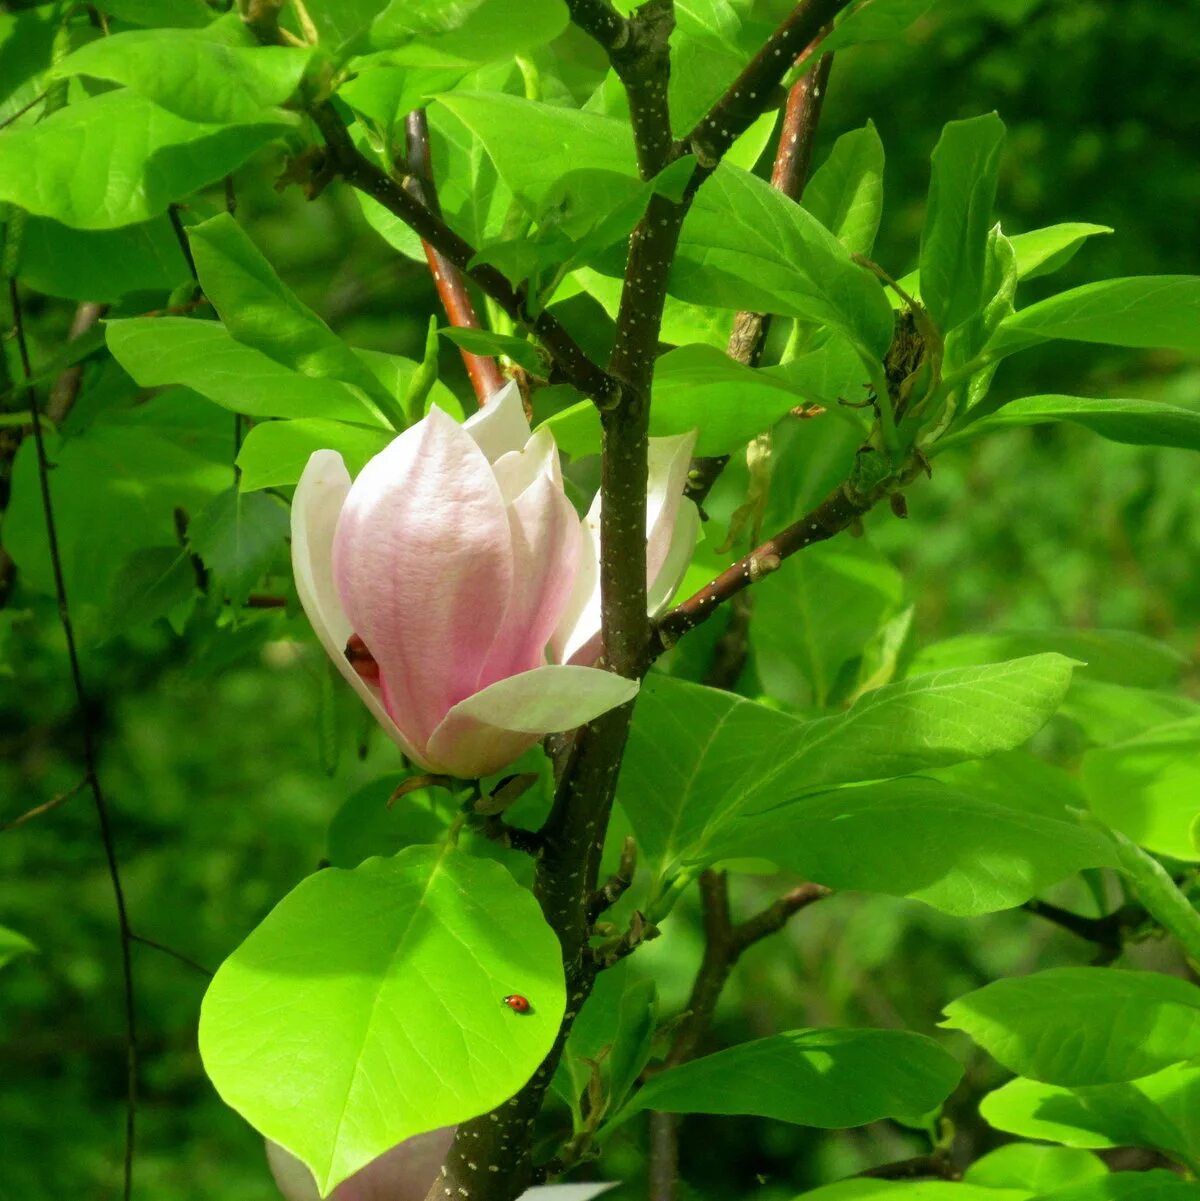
1042	251
1149	788
875	21
274	453
1154	1185
13	945
116	159
203	356
745	245
484	341
477	31
238	537
962	191
845	193
1158	1111
916	838
1136	422
1144	310
705	55
1083	1025
831	1079
194	76
340	1047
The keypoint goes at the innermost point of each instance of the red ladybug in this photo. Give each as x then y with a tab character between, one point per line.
518	1003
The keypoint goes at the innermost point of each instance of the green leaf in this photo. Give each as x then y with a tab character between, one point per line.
1115	656
13	945
365	825
152	582
260	311
342	24
190	14
100	265
485	342
845	193
478	31
831	1079
1137	422
810	621
1113	712
203	356
917	838
1155	1185
1042	251
1083	1025
1034	1167
962	192
730	754
117	159
1016	780
194	76
695	388
875	21
534	145
238	537
1149	788
1160	1111
1144	310
274	453
745	245
367	1006
910	1190
705	56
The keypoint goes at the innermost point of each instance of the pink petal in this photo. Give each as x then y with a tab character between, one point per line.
316	505
501	425
423	561
576	639
492	728
546	542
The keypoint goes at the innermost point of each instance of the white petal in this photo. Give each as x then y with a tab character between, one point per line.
501	425
679	556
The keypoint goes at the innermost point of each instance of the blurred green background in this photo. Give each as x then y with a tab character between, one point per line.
225	755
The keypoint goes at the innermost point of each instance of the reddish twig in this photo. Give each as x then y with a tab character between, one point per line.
483	370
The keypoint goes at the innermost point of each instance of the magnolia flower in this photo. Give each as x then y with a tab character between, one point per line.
404	1173
456	589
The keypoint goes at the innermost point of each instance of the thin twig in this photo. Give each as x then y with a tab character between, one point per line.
45	806
483	370
174	954
65	389
89	747
920	1167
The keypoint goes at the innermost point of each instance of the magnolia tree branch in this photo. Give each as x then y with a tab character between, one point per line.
483	370
360	172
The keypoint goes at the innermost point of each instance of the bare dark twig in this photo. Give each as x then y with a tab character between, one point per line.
45	806
89	749
65	389
174	954
483	370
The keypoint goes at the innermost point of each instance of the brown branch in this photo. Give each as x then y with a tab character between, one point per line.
618	883
89	744
599	20
789	174
45	806
358	171
643	65
483	370
920	1167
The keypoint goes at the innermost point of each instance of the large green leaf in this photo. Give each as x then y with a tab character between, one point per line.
745	245
100	265
1115	656
700	388
875	21
194	76
1034	1167
912	1190
1160	1111
274	453
730	754
1114	712
705	56
1144	310
845	193
203	356
962	191
831	1079
1083	1025
1137	422
917	838
368	1006
478	31
117	159
260	311
1155	1185
1148	787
